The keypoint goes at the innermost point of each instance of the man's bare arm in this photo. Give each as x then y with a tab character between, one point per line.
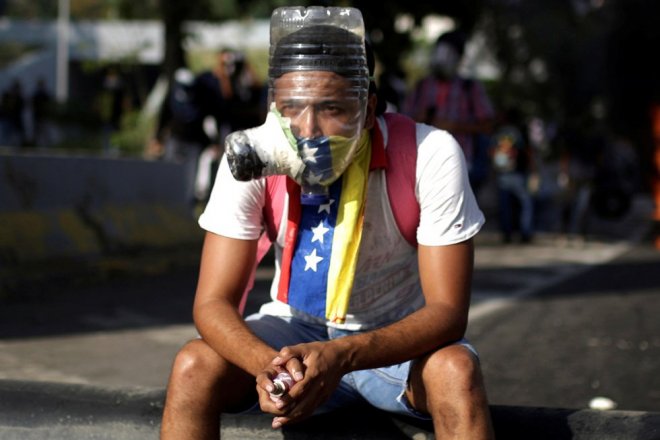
225	269
445	273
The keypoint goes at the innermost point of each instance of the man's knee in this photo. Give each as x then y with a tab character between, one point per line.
194	360
454	393
450	374
201	377
452	366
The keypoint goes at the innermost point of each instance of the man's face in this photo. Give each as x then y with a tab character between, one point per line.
445	60
227	62
319	103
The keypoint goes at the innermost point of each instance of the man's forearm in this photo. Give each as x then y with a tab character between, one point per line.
419	333
224	272
224	329
445	274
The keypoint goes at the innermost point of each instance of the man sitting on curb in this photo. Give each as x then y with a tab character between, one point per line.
358	313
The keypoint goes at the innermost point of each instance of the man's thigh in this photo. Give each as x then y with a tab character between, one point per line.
385	388
280	332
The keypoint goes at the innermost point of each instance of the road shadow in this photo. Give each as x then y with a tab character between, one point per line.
595	334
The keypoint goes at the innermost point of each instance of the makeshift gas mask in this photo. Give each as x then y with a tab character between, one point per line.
444	61
318	86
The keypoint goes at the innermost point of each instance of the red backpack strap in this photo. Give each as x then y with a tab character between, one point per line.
274	205
401	154
272	214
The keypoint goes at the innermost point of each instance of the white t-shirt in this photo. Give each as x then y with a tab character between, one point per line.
386	286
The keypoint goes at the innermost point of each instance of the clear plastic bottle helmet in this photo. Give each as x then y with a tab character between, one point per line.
318	88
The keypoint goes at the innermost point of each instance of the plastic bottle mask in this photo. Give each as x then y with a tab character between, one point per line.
318	86
326	117
311	133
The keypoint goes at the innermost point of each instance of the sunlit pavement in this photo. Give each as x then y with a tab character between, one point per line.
556	323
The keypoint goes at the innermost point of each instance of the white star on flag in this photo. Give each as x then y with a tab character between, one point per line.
314	179
326	206
308	155
319	232
312	260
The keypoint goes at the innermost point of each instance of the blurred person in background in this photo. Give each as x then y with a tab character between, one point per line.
199	111
513	164
113	102
449	101
42	105
392	89
229	97
13	106
181	129
581	149
617	179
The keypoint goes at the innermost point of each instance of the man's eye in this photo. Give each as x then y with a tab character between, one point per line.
290	110
331	109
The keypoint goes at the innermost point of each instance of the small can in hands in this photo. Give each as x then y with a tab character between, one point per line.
281	385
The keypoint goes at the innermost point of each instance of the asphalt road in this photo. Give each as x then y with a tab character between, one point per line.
596	334
555	325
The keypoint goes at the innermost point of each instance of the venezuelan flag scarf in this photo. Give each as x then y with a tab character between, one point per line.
322	242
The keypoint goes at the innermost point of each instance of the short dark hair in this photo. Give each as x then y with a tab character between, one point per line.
456	39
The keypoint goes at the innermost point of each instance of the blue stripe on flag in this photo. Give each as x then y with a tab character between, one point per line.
311	259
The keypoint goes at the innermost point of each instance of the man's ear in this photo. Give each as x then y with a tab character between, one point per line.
370	120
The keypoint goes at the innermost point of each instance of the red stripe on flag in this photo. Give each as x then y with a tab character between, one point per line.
293	220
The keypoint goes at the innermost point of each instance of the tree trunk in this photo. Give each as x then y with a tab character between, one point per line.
174	14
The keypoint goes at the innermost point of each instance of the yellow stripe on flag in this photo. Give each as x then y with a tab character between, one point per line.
348	233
